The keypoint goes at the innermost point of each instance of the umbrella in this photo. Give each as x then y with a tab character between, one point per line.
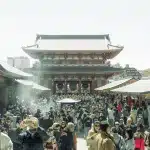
68	100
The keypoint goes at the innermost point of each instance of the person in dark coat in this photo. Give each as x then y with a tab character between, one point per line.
34	136
66	141
13	134
38	114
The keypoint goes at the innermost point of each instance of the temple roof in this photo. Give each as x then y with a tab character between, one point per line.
45	37
72	44
9	71
113	84
141	86
33	85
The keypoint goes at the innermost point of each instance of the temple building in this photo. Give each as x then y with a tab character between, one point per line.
8	76
131	72
73	63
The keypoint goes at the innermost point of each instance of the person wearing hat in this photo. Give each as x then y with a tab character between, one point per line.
91	138
104	140
33	136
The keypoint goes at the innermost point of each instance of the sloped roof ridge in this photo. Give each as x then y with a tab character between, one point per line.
72	36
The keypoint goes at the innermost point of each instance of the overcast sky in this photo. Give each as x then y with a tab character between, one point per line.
127	22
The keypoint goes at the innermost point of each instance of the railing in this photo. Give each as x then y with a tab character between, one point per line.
73	65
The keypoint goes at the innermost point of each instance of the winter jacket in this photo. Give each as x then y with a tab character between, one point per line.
66	141
130	144
91	140
5	142
120	142
33	141
139	141
105	141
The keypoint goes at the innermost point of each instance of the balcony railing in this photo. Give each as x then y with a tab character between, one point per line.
74	65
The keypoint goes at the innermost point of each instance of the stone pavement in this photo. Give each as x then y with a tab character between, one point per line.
81	145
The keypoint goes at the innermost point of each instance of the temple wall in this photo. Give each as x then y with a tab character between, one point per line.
99	82
63	85
3	98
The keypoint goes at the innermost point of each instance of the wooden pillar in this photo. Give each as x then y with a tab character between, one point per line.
94	85
65	79
99	82
51	85
66	87
79	85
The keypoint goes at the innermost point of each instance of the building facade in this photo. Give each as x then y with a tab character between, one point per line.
73	63
131	72
19	62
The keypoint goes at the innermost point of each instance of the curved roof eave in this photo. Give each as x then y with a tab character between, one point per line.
14	72
33	84
113	84
34	51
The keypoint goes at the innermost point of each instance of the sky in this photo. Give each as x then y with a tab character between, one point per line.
127	22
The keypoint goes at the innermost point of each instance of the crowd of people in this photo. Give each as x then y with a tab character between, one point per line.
106	121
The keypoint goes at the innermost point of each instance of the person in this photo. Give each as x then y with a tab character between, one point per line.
38	114
33	137
104	140
119	140
118	128
87	125
5	142
131	125
69	117
147	138
139	139
66	141
125	113
51	116
122	126
145	116
13	134
51	143
129	139
63	125
111	116
91	138
133	114
56	131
